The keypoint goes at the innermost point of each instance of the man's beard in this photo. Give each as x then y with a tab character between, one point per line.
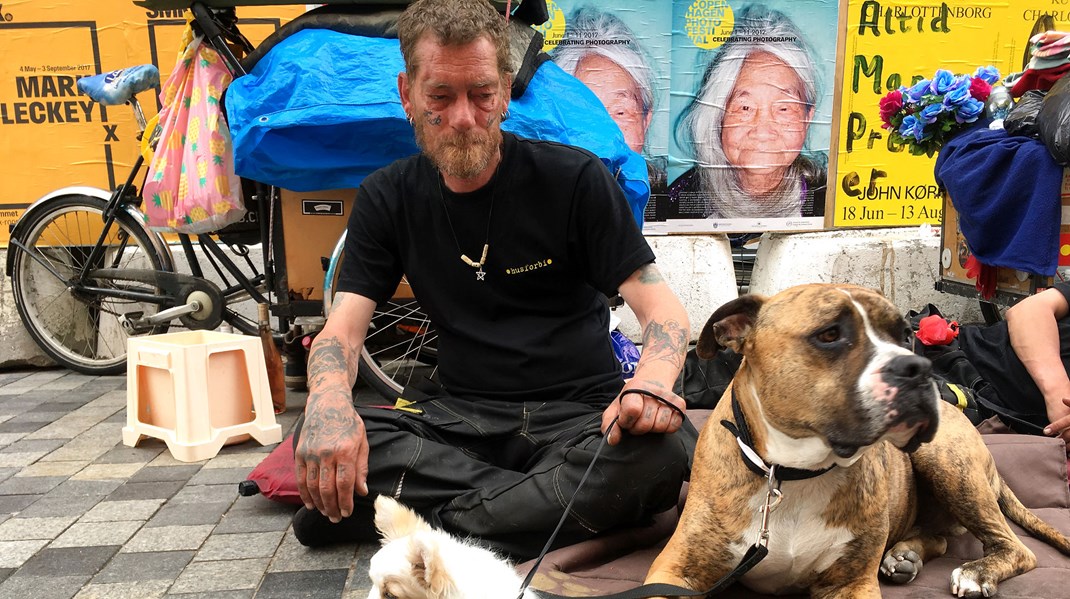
462	155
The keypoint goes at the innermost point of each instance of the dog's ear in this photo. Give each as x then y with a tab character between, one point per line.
425	555
729	326
395	521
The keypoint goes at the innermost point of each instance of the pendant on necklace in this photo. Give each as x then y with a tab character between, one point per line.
480	275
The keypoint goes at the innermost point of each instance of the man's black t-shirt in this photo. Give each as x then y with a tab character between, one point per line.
561	238
989	349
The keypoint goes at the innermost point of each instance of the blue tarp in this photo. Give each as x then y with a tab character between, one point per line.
322	111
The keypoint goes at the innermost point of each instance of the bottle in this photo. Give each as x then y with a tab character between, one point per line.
272	360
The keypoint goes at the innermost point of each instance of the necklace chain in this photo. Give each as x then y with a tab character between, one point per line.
480	274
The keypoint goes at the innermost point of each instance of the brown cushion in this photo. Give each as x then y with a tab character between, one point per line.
1034	467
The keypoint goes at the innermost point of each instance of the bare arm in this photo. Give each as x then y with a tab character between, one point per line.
666	333
1034	335
332	454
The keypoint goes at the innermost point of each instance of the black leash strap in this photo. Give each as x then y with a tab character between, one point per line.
755	554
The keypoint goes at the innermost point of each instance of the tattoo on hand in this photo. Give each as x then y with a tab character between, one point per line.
666	342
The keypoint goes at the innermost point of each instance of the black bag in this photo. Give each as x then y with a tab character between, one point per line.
703	382
1053	120
1022	119
956	377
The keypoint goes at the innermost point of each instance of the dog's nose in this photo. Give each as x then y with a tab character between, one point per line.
904	370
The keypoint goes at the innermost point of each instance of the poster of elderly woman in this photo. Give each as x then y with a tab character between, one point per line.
752	93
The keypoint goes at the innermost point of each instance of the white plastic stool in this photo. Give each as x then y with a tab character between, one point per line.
196	390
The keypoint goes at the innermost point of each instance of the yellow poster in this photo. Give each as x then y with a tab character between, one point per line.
893	44
52	136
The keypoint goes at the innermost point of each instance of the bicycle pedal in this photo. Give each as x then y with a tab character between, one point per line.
133	323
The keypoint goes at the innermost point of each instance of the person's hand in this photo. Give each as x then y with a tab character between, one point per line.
1059	416
332	459
641	414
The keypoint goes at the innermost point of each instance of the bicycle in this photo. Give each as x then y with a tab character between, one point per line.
87	272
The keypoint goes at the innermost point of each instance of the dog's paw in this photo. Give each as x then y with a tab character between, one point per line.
901	565
966	584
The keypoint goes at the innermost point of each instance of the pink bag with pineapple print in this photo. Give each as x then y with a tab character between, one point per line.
191	185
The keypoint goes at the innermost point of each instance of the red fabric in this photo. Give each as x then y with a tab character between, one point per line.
1041	80
984	274
275	475
934	330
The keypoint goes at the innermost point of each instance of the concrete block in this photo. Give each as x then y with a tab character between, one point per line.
699	269
17	348
903	263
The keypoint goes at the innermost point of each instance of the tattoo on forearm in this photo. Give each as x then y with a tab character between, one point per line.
328	358
666	342
649	274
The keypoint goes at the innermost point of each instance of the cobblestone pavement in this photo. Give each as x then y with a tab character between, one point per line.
84	516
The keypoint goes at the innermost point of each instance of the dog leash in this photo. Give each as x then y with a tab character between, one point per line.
751	458
755	553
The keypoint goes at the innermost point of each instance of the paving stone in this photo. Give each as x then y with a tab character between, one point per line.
150	474
67	561
76	488
74	453
10	504
153	490
106	471
64	469
235	521
92	534
61	407
25	529
20	459
118	511
21	427
243	594
292	556
50	506
211	577
25	445
42	587
5	572
30	485
122	454
248	461
206	494
239	546
168	538
9	438
135	567
35	415
152	589
307	584
218	476
185	514
15	553
7	378
6	473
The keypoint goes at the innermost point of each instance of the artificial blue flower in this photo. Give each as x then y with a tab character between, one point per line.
930	112
906	128
969	111
942	81
989	74
915	92
958	94
919	130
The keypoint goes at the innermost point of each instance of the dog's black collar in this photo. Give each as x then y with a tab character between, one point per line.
751	458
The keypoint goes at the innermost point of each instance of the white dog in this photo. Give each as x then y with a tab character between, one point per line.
419	562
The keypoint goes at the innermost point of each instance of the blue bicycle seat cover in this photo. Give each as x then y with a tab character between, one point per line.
117	87
321	110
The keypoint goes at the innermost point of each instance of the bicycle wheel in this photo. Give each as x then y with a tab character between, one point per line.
401	343
77	328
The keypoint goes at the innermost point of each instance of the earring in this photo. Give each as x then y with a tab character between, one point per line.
505	115
411	122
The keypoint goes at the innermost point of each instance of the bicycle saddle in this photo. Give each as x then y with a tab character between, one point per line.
117	87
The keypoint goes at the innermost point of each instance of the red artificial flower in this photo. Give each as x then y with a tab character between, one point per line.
980	89
890	104
934	330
